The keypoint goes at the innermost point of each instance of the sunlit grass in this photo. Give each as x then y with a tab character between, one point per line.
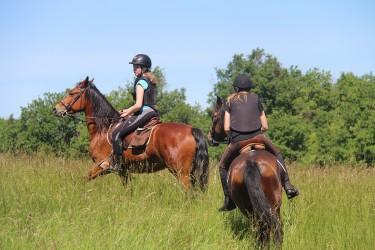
46	204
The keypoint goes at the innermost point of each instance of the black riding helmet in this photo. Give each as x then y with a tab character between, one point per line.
142	59
243	82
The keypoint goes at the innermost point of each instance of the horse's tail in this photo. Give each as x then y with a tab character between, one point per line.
264	214
201	160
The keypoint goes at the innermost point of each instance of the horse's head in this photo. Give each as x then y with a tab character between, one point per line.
216	135
74	101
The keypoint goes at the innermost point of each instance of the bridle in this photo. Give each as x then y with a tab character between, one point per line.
68	106
72	102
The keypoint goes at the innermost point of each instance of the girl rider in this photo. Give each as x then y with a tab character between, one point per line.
144	95
245	119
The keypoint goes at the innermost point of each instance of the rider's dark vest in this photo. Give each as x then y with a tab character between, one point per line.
149	97
245	113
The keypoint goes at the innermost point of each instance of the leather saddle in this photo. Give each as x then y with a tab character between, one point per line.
140	137
254	144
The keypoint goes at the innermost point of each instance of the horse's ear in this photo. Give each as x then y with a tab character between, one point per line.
92	80
85	82
219	102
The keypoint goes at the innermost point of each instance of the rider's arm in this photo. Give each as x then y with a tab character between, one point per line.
138	103
227	123
263	121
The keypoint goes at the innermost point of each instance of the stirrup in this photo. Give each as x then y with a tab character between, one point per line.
115	168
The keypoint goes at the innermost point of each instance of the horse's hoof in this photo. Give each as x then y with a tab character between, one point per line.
291	193
226	209
228	205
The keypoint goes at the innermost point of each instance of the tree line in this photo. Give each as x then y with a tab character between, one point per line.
313	118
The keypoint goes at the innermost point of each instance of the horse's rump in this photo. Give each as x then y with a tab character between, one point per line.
255	186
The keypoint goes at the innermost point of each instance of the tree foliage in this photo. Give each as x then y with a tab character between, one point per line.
312	119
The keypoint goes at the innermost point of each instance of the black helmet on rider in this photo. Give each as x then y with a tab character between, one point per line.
142	59
243	82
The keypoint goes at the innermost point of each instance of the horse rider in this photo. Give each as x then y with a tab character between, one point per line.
245	119
144	108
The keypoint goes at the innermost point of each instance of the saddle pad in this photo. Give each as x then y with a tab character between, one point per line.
252	146
141	136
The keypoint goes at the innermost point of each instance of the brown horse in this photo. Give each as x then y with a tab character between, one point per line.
178	147
254	183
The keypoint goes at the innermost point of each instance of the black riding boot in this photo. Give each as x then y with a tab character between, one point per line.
290	190
228	202
117	154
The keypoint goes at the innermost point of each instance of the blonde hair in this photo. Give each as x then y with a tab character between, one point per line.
153	79
242	96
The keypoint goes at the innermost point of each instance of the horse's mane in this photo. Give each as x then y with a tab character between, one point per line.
221	114
104	112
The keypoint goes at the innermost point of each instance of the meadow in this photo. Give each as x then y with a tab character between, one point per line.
45	203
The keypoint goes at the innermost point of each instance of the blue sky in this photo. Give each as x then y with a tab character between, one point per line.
48	46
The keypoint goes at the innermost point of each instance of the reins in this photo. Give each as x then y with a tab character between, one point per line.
80	117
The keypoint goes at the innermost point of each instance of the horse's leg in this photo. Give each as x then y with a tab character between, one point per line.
95	171
181	174
185	179
264	235
272	189
278	234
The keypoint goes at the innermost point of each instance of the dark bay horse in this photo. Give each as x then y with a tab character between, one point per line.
178	147
254	183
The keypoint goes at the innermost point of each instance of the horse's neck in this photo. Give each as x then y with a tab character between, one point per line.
92	129
91	125
222	130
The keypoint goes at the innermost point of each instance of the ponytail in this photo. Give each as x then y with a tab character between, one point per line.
151	76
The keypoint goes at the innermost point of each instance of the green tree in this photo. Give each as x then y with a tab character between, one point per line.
40	130
122	97
162	81
264	70
356	107
9	130
311	118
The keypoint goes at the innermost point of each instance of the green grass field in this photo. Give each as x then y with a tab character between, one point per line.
46	204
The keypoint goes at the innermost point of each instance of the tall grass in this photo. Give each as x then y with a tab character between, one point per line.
45	203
